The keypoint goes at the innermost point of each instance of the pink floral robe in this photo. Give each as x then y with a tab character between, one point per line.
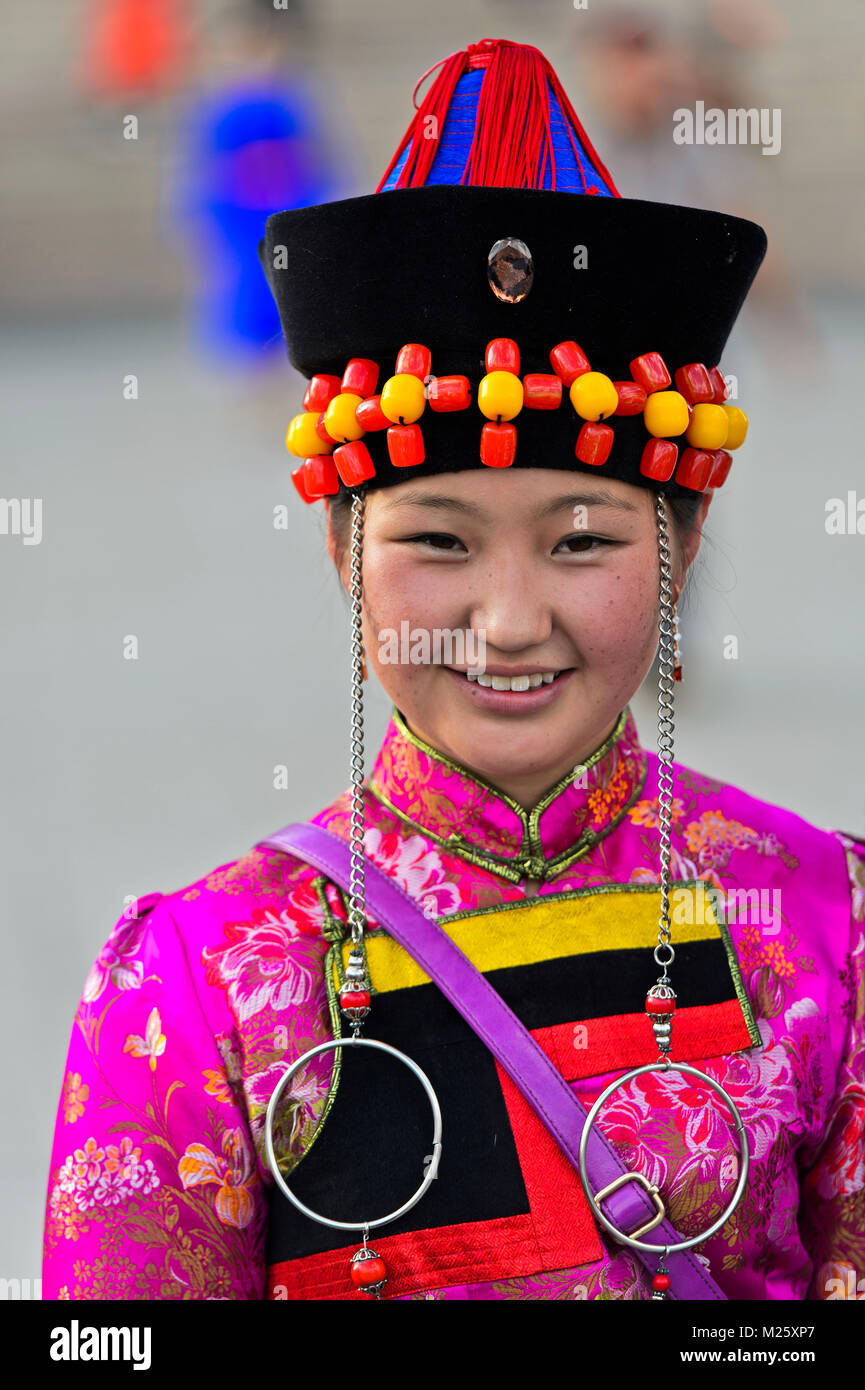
159	1186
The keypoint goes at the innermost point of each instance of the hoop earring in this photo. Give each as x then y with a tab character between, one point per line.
661	998
367	1269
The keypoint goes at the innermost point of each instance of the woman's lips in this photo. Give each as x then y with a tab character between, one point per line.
510	701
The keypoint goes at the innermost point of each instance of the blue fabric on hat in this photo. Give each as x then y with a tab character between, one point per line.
456	138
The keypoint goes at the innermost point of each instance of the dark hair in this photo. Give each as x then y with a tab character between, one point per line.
683	509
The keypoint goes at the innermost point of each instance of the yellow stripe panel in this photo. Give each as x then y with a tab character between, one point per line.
548	927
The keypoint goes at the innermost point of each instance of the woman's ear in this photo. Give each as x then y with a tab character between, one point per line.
330	533
693	537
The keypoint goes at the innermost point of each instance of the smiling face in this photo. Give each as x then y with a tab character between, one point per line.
508	556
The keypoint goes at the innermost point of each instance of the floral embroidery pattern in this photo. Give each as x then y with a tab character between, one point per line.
158	1182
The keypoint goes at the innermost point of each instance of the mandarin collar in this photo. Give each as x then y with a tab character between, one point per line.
456	808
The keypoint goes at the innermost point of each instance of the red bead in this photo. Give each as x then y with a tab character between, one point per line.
594	443
322	432
720	468
353	462
415	360
502	355
656	1005
320	475
370	415
649	371
320	392
694	468
405	445
299	481
719	386
498	444
354	999
360	377
694	384
632	398
661	1283
366	1272
449	393
542	391
569	361
659	459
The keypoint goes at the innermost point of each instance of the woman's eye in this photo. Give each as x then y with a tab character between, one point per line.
585	545
438	540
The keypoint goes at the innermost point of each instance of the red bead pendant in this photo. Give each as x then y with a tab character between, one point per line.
569	361
661	1283
657	1004
354	462
498	445
594	443
354	999
694	468
360	377
405	445
721	467
320	392
693	382
502	355
370	416
659	459
650	372
632	398
414	360
542	391
368	1270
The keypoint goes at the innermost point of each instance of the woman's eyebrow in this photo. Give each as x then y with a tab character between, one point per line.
598	498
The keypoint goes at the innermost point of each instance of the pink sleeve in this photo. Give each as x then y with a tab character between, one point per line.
153	1190
832	1211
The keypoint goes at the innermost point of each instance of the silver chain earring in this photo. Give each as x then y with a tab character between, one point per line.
367	1269
661	998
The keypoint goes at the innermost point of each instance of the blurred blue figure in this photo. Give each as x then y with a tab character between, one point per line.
252	147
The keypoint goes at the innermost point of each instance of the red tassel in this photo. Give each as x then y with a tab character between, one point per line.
512	143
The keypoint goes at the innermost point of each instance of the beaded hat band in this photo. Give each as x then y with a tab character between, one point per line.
339	411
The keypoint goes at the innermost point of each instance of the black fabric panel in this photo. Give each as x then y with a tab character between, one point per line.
369	1157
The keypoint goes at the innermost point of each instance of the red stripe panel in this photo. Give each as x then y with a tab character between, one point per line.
601	1045
466	1254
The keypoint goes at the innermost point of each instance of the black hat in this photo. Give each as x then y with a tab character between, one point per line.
496	302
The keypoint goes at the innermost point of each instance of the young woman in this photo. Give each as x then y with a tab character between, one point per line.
510	568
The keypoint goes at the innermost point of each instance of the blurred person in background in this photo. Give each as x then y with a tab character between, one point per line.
251	139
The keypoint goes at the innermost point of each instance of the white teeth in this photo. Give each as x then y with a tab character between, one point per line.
515	682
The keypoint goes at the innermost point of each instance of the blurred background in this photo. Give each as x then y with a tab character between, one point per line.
145	407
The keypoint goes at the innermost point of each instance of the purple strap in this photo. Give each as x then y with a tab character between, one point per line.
510	1043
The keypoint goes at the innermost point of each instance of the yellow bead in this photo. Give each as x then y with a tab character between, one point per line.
593	396
339	418
737	422
500	395
708	428
402	398
666	414
302	440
